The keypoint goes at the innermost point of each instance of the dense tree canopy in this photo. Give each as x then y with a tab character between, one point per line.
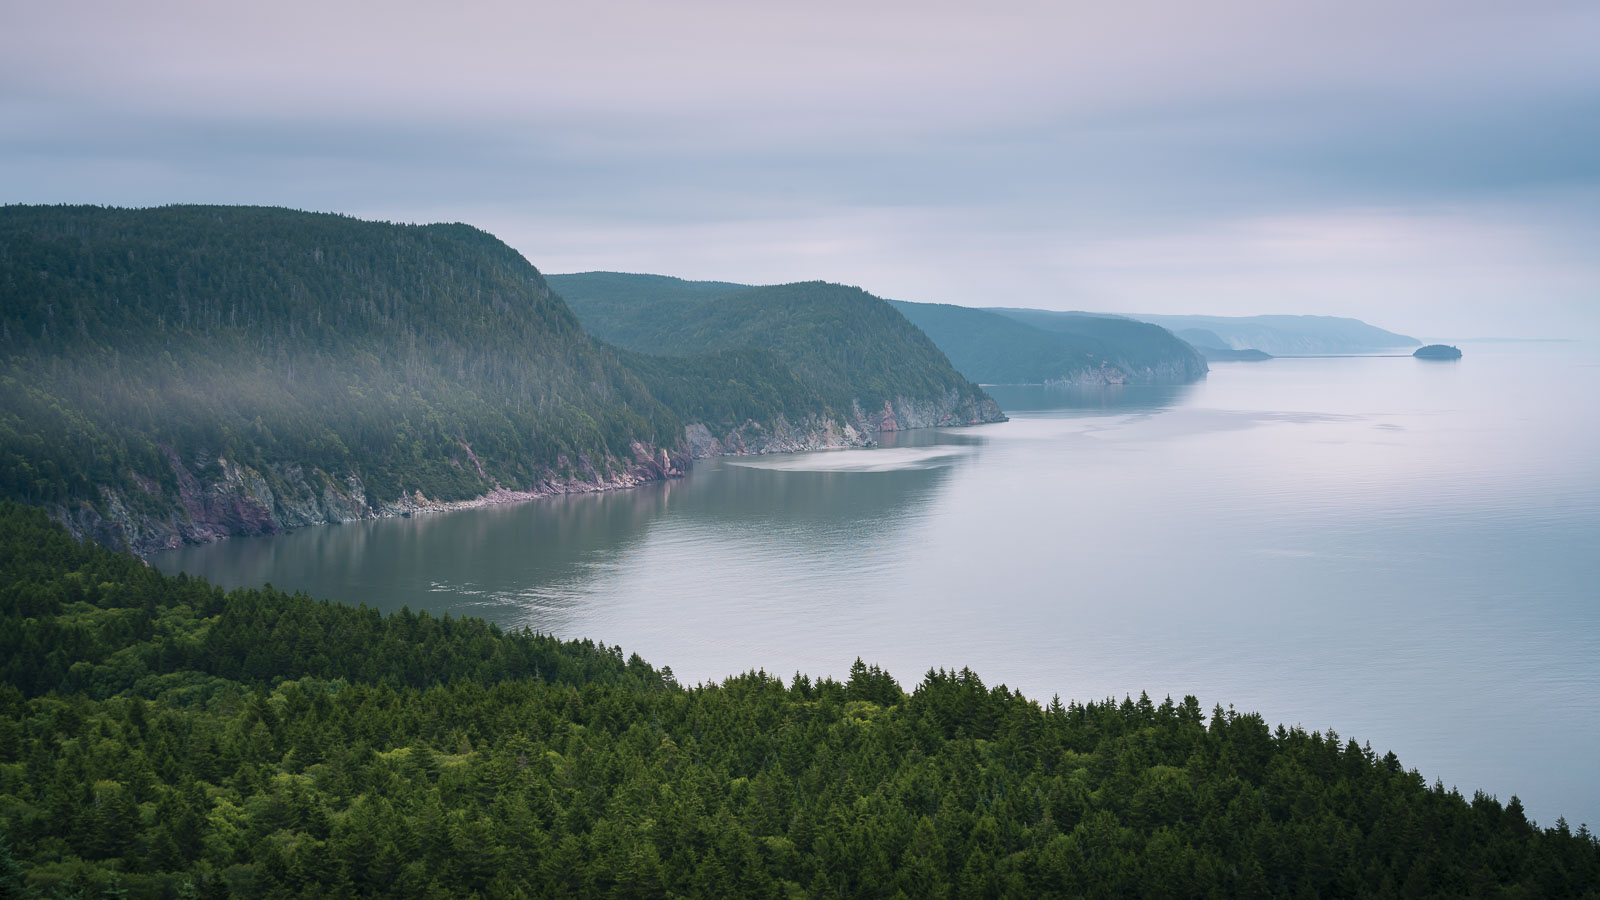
420	358
1031	346
847	346
162	738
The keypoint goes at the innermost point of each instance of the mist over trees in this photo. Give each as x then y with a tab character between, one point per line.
423	358
846	345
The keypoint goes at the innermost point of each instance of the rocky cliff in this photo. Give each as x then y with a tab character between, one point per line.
817	433
1174	372
217	498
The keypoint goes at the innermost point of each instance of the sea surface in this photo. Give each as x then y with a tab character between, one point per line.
1407	552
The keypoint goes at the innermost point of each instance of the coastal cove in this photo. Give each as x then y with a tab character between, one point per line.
1398	550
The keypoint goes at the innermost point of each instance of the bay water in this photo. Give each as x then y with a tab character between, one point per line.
1407	552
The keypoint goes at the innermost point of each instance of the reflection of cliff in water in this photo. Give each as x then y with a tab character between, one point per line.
725	494
441	561
1089	399
542	562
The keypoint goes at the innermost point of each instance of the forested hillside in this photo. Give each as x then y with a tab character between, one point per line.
161	738
1041	347
871	368
1290	335
187	372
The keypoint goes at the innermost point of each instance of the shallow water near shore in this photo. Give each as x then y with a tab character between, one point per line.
1406	551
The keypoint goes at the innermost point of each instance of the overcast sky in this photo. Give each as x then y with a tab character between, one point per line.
1431	167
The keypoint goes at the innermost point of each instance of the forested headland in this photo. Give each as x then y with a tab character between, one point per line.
162	738
869	367
1289	335
186	372
984	346
190	372
1031	346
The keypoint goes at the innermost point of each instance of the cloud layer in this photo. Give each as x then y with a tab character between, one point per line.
1433	167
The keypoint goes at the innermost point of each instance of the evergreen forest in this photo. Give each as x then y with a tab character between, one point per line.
1030	346
160	737
188	372
852	349
138	343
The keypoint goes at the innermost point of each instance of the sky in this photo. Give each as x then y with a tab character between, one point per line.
1430	167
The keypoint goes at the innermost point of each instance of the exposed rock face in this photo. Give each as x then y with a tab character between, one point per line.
816	433
778	437
219	498
1173	372
903	413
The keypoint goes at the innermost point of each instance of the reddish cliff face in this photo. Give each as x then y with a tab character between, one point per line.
219	498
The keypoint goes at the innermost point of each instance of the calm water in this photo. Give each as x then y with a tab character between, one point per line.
1407	552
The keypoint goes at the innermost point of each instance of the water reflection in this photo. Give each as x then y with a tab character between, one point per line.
543	563
1089	399
1403	552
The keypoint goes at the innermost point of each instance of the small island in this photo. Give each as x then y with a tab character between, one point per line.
1437	351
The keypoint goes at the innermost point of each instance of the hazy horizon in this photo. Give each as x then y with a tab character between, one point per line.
1429	169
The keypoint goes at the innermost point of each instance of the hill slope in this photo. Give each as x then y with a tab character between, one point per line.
1020	346
184	373
1215	349
1290	335
161	738
871	369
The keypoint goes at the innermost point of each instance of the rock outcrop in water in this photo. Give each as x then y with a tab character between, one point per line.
1437	351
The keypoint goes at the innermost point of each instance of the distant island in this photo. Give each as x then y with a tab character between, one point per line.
1437	351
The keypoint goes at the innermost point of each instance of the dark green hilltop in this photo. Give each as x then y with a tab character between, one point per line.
189	372
160	738
870	368
984	346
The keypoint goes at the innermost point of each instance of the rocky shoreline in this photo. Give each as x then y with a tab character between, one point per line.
243	501
239	500
1108	374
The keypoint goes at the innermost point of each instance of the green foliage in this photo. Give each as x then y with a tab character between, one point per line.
1029	346
133	342
726	387
845	345
257	744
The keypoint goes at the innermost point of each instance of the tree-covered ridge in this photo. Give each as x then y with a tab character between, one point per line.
360	755
307	348
615	292
1042	347
726	387
851	348
1290	335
